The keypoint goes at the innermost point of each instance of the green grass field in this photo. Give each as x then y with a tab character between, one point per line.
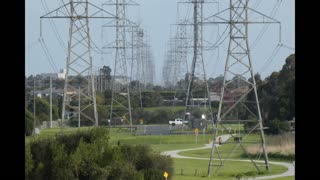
284	178
224	149
171	108
197	170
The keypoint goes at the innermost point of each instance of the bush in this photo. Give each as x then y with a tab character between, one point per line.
153	174
71	141
28	123
87	155
61	164
277	127
29	164
41	154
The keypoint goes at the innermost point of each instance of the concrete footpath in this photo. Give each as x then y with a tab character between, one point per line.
224	138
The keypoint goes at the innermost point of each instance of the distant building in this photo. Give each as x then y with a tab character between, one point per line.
120	79
55	92
239	91
214	96
60	75
119	82
46	92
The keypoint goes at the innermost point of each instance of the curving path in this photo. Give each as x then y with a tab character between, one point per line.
289	172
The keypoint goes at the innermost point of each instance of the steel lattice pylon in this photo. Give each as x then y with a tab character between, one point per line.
120	102
79	61
197	79
136	65
239	101
181	61
79	73
147	63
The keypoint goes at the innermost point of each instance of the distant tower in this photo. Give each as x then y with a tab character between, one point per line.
199	101
181	61
120	103
149	71
137	72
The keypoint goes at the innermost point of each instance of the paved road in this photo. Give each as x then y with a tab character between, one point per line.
153	129
158	129
289	172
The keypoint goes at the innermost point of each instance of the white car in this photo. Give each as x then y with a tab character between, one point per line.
177	121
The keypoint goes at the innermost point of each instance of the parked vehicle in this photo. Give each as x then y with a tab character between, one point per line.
177	121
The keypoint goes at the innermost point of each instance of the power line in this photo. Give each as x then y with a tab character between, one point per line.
265	27
53	26
48	55
270	59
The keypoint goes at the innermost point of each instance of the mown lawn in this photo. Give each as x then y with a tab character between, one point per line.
284	178
197	170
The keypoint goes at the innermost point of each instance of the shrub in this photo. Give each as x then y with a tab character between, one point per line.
41	153
28	123
278	146
277	127
61	163
29	163
87	155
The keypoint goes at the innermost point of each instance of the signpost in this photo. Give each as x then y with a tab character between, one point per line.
141	121
166	175
196	132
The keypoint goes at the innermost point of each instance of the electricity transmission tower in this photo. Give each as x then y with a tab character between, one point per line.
120	101
137	73
148	63
197	80
239	101
181	61
79	73
168	71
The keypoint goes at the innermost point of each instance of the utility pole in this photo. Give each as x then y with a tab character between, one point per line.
34	106
238	65
79	105
50	101
79	58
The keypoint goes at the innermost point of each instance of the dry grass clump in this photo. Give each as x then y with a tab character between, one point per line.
278	146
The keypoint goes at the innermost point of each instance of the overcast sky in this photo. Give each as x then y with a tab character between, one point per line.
156	18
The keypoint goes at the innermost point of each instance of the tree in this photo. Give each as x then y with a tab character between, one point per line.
29	163
88	155
43	110
276	126
157	88
61	163
28	126
100	98
287	89
215	83
151	99
105	72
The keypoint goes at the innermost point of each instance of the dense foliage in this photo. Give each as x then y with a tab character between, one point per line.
88	155
277	97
